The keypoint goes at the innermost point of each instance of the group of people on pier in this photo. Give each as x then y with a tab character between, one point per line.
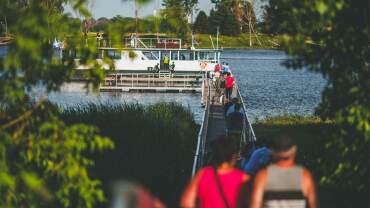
223	80
251	175
269	178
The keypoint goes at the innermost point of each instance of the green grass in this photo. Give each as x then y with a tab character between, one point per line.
154	145
311	135
241	41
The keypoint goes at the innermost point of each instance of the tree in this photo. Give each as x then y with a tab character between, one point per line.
101	24
201	23
333	37
224	18
174	17
43	161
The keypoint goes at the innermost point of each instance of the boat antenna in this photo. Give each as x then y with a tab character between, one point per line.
6	27
136	16
213	46
192	40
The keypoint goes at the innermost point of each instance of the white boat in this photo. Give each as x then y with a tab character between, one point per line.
147	54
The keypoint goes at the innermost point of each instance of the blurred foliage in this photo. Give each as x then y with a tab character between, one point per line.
310	133
43	161
154	145
333	37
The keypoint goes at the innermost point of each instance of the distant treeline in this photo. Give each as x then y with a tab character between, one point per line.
231	17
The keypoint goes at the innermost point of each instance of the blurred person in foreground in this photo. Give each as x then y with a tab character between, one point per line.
254	157
220	185
283	184
127	194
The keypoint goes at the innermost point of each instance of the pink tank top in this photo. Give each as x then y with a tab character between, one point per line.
208	192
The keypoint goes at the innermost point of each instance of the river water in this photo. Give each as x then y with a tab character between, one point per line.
268	88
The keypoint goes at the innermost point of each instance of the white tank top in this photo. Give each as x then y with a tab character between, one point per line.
283	188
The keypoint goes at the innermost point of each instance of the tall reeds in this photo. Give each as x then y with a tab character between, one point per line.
154	144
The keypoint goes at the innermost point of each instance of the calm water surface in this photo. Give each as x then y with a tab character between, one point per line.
268	88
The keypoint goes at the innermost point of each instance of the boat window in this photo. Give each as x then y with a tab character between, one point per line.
185	55
113	54
196	55
174	55
206	55
203	55
151	55
165	53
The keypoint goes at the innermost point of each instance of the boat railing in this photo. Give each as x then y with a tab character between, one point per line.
166	80
202	135
165	43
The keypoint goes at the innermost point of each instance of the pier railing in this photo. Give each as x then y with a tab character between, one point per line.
151	81
202	135
248	134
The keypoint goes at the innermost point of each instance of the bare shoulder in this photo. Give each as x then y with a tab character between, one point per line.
262	173
261	177
307	176
246	177
308	183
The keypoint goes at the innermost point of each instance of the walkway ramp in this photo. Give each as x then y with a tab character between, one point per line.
214	123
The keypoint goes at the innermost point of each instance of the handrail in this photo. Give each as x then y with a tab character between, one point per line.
251	136
202	134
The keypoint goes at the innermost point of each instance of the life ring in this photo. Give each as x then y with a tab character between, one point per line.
203	65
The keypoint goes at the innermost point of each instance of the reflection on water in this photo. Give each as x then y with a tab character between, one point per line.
74	95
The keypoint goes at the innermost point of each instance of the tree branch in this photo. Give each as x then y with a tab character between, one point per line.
25	115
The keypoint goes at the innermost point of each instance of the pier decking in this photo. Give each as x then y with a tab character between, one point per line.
214	123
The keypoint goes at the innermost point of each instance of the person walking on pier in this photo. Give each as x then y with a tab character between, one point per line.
230	81
283	184
231	108
255	159
234	123
221	185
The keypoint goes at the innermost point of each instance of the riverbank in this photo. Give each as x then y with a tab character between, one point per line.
154	145
313	137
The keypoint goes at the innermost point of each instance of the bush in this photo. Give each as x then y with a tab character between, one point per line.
313	137
154	145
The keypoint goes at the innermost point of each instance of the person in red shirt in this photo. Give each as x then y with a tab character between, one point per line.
217	68
220	185
230	81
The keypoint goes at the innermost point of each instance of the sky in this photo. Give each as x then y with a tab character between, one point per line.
111	8
126	8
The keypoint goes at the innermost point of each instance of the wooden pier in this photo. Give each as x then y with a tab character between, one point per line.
153	82
214	124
